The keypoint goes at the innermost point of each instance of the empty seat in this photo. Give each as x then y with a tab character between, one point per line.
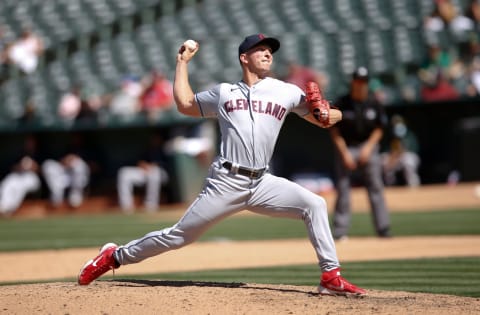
322	15
242	21
215	19
377	14
348	16
293	18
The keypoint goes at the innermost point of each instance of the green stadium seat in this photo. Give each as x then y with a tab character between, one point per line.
377	14
105	65
267	18
192	25
41	98
378	47
14	97
406	13
242	21
126	55
321	13
347	53
293	18
408	46
59	76
348	16
219	25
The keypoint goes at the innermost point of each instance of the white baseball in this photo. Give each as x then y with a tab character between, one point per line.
190	44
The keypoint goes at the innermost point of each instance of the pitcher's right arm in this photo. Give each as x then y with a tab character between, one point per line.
182	91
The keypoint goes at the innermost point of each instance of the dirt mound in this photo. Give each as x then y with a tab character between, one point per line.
184	297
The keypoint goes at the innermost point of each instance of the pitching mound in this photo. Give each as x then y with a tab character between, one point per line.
185	297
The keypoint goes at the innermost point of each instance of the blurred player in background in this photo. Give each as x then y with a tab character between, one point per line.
69	173
148	172
356	139
22	179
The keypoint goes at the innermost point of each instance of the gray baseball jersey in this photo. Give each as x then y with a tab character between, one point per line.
250	120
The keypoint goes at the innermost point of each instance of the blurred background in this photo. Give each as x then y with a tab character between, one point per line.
103	69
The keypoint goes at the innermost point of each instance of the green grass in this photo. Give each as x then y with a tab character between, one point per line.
92	230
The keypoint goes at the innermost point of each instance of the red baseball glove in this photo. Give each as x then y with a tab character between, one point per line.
318	106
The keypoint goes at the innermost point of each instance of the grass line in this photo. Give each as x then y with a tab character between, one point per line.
92	230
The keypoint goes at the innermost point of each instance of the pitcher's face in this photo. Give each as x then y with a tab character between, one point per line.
258	59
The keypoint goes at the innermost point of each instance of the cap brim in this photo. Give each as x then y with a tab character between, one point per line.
271	42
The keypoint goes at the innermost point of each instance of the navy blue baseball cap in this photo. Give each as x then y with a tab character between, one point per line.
258	39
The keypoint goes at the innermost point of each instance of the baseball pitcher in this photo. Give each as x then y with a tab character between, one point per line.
250	114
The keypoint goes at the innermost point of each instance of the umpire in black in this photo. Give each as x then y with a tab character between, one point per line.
356	139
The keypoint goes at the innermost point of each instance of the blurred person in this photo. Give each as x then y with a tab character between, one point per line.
148	172
22	179
438	58
26	51
472	12
474	71
356	140
195	140
383	91
402	155
446	16
435	87
300	75
70	104
125	102
157	96
70	172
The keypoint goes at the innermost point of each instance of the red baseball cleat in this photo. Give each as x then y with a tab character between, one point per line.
96	267
334	284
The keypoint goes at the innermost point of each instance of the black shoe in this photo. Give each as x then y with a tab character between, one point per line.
385	233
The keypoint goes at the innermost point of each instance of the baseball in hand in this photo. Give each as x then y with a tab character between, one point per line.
190	44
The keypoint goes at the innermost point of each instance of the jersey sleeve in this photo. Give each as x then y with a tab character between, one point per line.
208	101
300	107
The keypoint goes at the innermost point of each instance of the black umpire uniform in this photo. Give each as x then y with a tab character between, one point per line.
356	139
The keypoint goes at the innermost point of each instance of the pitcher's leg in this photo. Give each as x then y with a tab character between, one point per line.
279	197
204	212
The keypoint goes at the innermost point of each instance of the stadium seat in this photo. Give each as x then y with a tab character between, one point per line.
219	24
321	13
378	46
267	18
294	19
15	95
377	13
406	13
350	18
408	45
192	25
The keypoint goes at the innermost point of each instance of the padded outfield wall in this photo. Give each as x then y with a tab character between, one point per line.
448	134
